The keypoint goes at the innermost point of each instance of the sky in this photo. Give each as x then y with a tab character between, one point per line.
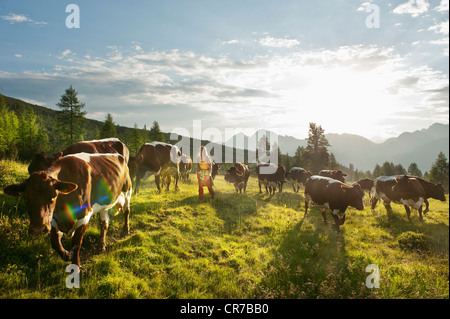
372	68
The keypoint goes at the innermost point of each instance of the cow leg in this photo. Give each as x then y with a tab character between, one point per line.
126	225
169	180
408	212
420	213
293	186
55	237
157	182
138	181
323	210
337	223
76	244
177	177
426	206
104	224
373	202
259	184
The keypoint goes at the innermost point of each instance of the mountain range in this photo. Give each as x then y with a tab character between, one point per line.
421	147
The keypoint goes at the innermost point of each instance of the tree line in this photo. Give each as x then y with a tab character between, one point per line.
23	133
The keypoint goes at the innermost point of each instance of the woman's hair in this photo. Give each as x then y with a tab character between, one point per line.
204	155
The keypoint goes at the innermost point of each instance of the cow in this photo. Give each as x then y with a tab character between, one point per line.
272	176
40	161
159	159
366	184
185	167
334	195
238	175
298	175
403	190
336	174
62	199
215	170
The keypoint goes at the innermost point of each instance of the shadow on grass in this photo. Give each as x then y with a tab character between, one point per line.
436	232
311	262
233	209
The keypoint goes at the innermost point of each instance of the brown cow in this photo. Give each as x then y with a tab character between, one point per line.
41	161
159	159
298	175
334	195
215	170
272	176
238	175
401	190
336	174
63	198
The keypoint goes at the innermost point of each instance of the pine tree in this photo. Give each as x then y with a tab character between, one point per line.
155	133
439	172
414	170
32	139
71	120
109	127
9	125
316	148
134	139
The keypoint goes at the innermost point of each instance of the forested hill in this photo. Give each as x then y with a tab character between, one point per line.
45	117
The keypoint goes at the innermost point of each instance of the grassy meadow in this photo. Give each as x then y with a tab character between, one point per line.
233	246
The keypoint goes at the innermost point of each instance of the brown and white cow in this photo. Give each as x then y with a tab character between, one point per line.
272	176
336	174
185	167
238	175
298	175
400	189
159	159
63	198
41	161
334	195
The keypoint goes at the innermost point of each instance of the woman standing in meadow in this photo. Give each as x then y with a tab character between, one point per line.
204	168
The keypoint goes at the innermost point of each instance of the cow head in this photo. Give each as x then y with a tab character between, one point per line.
400	183
355	195
215	170
438	192
232	175
40	192
339	175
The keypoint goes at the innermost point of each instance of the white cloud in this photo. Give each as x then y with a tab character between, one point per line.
18	55
19	18
330	87
234	41
443	6
440	28
412	7
363	6
278	43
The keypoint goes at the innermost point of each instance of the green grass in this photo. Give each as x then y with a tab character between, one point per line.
233	246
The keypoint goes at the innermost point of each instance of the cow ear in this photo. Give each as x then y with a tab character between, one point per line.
56	156
15	189
396	180
344	187
65	187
